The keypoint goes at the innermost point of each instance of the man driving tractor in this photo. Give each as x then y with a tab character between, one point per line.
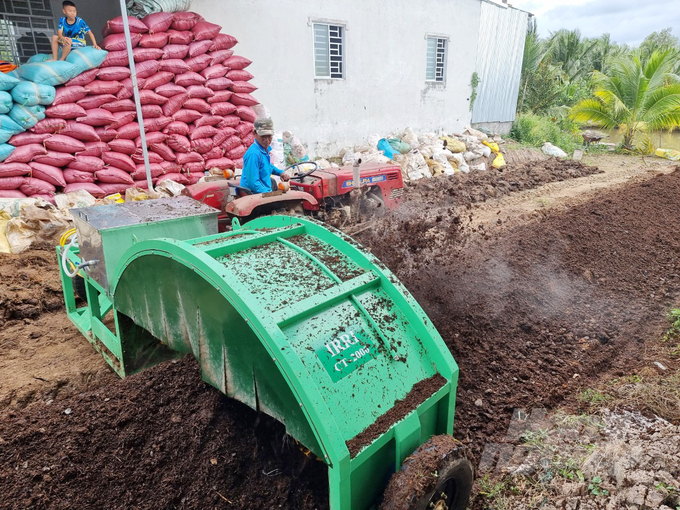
257	167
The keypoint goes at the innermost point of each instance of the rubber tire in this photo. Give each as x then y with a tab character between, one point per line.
450	464
79	287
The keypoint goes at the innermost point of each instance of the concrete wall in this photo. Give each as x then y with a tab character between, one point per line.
385	87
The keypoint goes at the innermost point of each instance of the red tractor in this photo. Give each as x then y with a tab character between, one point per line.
328	194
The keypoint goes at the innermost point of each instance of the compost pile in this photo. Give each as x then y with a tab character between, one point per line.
196	109
531	314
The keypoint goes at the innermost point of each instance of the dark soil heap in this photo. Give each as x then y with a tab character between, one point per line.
531	315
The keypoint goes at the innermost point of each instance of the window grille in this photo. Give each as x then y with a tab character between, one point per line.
329	54
26	28
436	59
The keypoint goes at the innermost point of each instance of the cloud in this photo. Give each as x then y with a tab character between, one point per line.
627	21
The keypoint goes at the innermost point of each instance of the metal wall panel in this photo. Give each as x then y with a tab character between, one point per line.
502	32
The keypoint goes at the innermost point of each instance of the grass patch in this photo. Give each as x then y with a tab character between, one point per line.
535	130
673	332
657	394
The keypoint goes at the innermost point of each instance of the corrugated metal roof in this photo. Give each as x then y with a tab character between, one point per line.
499	62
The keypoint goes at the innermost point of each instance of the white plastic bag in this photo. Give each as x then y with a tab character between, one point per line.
552	150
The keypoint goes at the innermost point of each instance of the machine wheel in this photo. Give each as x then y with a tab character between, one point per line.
437	476
79	287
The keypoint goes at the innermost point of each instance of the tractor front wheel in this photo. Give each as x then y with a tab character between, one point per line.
437	476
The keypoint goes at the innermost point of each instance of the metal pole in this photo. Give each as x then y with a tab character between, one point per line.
135	91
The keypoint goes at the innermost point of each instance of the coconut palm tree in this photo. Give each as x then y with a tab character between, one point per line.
634	96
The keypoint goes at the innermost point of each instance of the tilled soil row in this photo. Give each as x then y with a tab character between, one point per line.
530	315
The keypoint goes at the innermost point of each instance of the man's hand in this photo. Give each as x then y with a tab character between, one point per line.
285	177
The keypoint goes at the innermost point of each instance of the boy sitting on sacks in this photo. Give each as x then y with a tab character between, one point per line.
71	32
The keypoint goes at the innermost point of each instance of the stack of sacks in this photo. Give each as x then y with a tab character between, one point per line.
23	100
196	108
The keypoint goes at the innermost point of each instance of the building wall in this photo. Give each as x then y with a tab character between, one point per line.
499	63
385	51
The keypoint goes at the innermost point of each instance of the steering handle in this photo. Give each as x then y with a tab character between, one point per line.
303	174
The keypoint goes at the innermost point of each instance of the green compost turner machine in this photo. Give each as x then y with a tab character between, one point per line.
292	319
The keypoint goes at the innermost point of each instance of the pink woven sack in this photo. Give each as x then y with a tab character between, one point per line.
80	131
93	189
174	104
95	149
189	78
26	153
204	30
95	101
65	111
158	80
11	193
63	143
54	158
65	95
116	42
144	54
220	56
158	40
72	176
120	105
245	113
243	99
214	71
223	42
115	175
14	169
48	173
175	51
179	143
180	37
176	128
25	138
103	87
164	151
114	59
97	117
169	90
174	65
219	83
222	109
208	120
199	63
105	133
203	132
115	73
83	78
86	164
35	186
147	68
123	146
120	161
197	104
197	48
7	183
158	21
221	96
115	26
221	163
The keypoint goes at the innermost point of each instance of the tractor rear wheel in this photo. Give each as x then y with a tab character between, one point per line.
437	476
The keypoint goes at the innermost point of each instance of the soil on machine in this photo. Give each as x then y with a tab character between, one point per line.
542	278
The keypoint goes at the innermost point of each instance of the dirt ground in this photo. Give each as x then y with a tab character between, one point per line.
543	279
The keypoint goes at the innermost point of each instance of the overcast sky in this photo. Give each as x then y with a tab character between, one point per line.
627	21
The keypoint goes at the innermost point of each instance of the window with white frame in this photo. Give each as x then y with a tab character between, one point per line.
436	59
329	51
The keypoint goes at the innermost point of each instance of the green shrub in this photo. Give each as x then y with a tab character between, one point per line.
534	130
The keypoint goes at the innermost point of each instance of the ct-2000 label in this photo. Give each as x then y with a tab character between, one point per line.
345	352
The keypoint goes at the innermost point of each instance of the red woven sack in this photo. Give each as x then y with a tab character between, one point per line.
103	87
114	73
121	161
219	83
105	133
158	40
214	71
239	75
91	188
246	113
114	175
25	138
81	132
116	26
237	152
169	90
221	96
187	116
86	164
203	132
65	111
93	149
83	78
129	131
164	151
236	62
14	169
222	109
116	42
198	64
72	176
221	163
121	105
7	183
151	111
97	117
180	37
197	104
220	56
243	87
33	186
189	78
177	128
95	101
208	120
150	97
123	146
114	59
158	21
63	143
174	104
175	51
223	42
65	95
174	65
147	68
54	158
204	30
243	99
48	173
200	91
144	54
157	124
26	153
189	157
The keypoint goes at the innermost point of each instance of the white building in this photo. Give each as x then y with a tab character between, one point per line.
335	73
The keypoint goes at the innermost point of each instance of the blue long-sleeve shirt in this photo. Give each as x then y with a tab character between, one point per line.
257	169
